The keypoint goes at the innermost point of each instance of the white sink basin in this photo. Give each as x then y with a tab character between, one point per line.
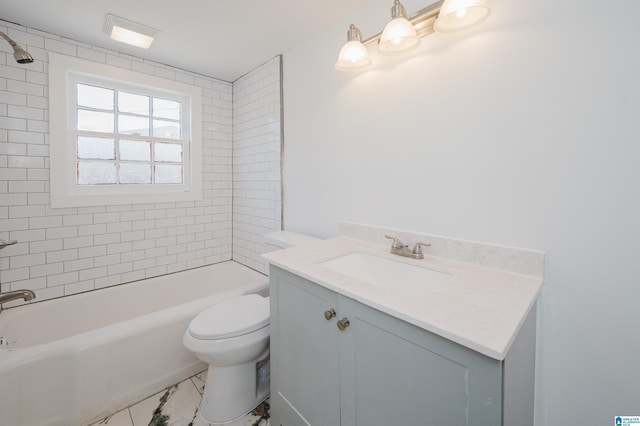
385	273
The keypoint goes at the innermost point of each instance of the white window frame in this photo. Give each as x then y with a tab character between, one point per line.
64	73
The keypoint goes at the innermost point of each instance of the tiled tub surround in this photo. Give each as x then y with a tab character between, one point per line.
178	406
479	307
71	250
73	360
256	162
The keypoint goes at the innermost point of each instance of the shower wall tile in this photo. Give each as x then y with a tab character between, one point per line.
65	251
256	161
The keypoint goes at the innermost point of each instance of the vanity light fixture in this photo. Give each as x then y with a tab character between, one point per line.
403	32
129	32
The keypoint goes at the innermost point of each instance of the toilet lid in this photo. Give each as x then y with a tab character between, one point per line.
233	317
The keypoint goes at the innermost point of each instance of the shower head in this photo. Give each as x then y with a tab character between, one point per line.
21	55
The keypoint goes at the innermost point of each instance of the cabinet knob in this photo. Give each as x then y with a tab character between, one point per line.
343	323
329	314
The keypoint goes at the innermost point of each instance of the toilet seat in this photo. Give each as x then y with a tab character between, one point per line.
231	318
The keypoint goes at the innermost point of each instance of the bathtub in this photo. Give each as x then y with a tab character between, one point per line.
73	360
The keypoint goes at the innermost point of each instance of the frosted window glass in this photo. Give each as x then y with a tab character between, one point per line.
130	125
94	97
94	121
168	152
166	173
166	129
96	148
96	173
135	173
132	103
135	150
164	108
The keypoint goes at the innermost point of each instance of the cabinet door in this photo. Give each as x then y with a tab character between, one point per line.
304	353
405	376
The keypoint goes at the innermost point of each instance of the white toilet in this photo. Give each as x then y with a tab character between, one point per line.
233	338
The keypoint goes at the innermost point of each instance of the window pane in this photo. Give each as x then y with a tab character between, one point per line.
135	173
132	103
135	151
165	173
96	173
164	108
96	148
166	129
95	121
94	97
130	125
168	152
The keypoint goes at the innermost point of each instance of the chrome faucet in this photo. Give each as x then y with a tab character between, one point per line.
401	249
25	295
4	243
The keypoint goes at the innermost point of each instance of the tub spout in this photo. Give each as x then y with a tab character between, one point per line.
25	295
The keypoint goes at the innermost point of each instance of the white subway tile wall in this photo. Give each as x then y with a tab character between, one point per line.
256	162
65	251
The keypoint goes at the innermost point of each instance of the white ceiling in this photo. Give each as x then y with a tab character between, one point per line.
223	39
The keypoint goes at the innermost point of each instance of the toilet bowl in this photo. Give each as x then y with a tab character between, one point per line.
233	338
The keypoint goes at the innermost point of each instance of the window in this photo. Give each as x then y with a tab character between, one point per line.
123	137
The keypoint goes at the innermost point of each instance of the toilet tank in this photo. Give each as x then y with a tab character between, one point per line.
278	240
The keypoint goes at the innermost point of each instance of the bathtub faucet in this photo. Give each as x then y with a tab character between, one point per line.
25	295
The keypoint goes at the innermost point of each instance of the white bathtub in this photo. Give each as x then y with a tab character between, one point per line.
72	360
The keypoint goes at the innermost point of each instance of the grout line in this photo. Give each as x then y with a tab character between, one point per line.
130	416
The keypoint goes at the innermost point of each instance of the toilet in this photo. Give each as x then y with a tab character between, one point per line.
233	338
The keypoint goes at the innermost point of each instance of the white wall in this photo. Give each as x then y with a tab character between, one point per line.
524	132
65	251
256	162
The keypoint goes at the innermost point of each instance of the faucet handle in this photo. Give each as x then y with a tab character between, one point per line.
417	248
396	242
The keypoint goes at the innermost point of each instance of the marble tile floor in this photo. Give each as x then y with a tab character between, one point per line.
177	406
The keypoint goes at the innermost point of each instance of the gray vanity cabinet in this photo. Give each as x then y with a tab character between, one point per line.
378	371
305	379
394	373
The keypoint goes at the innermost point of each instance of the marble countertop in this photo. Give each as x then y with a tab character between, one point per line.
477	307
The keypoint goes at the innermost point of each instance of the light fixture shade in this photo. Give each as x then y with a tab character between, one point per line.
460	14
353	54
397	37
129	32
